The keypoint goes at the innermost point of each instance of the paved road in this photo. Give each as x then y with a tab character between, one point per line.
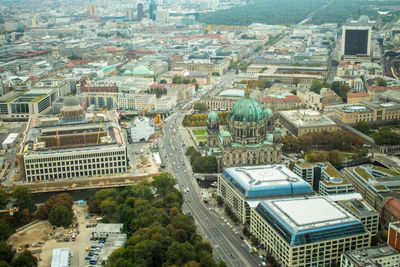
227	245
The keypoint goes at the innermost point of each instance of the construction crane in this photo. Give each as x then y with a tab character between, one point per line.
98	135
11	211
157	120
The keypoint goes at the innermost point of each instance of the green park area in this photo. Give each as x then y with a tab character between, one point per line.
200	134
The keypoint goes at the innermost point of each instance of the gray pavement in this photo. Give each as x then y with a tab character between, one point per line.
226	243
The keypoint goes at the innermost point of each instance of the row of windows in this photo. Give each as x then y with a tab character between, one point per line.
70	157
69	163
72	168
86	173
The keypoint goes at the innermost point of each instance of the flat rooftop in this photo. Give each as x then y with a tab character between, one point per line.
266	181
350	108
361	257
309	219
306	118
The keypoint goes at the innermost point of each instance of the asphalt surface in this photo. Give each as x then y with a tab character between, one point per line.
226	244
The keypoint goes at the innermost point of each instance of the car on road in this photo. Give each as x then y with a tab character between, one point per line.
232	255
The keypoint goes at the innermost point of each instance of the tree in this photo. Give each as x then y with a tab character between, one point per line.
363	127
73	57
163	183
316	86
335	158
6	230
179	253
216	74
334	63
25	259
381	82
200	107
294	92
94	206
23	199
220	201
163	81
4	198
177	79
42	213
25	216
6	253
60	216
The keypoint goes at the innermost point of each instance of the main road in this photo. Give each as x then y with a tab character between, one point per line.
227	245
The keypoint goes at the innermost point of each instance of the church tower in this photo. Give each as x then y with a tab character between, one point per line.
212	129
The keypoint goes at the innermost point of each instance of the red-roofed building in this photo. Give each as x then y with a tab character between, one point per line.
281	102
357	97
394	235
391	212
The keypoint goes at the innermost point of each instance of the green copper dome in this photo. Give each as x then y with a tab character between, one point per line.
277	131
268	112
213	116
246	109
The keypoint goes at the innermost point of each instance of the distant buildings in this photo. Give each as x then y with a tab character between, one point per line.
305	231
281	101
303	121
140	12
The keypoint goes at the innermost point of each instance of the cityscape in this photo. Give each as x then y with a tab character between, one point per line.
200	133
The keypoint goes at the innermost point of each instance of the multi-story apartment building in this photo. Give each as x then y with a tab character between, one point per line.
307	231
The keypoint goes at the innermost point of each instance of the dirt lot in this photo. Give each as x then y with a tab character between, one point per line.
39	233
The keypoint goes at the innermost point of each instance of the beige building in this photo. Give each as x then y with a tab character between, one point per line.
251	138
203	66
318	102
333	182
290	78
382	255
307	231
303	121
241	187
357	97
71	147
369	111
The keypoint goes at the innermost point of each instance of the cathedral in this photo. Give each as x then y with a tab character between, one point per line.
250	139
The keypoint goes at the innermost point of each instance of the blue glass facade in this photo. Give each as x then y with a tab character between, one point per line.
311	235
268	190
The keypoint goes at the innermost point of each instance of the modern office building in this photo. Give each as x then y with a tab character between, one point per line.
20	105
382	255
376	184
243	187
310	172
366	214
307	231
72	146
332	181
356	40
140	12
303	121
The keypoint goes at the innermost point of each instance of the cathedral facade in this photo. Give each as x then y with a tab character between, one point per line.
251	137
